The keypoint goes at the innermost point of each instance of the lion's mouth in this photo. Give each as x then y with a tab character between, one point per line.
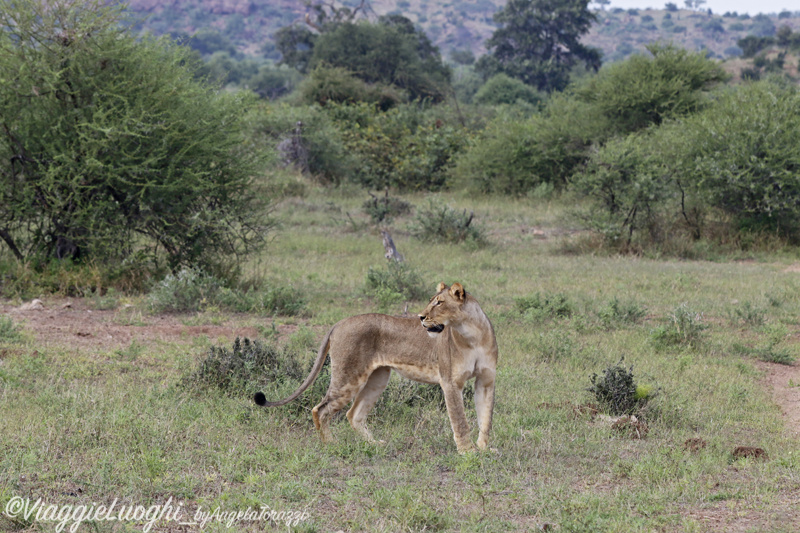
436	328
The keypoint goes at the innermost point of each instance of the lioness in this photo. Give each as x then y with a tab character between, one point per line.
454	343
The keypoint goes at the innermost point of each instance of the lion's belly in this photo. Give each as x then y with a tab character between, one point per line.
425	374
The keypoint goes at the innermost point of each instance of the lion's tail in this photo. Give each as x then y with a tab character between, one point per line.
322	354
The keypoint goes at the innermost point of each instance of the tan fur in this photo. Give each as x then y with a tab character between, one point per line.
454	343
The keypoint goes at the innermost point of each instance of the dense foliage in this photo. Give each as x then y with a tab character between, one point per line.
517	156
110	148
538	42
735	161
116	150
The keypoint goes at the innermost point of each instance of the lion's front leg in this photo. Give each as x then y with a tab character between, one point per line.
454	400
484	405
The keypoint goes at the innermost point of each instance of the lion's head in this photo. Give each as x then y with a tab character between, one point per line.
443	307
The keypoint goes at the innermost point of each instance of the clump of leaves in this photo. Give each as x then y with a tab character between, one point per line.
543	306
616	391
442	223
617	313
246	366
399	281
384	209
251	366
684	327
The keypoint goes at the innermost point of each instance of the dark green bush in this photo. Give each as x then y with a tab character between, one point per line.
617	313
328	85
441	223
744	157
192	290
728	170
615	390
642	91
634	198
541	306
246	367
273	82
391	52
515	155
114	149
252	366
408	147
502	89
384	208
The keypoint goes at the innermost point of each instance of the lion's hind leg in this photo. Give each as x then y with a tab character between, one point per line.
340	392
365	401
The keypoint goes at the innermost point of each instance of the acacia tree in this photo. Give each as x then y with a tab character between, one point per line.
296	41
538	42
392	52
109	147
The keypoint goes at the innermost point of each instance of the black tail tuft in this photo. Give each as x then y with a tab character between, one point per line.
260	399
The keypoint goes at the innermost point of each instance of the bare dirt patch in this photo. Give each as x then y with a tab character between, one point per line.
75	324
784	381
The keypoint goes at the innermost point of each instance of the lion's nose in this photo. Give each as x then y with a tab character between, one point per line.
421	318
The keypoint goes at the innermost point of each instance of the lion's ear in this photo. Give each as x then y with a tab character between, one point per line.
457	291
441	286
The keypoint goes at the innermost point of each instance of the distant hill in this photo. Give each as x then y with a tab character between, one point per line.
460	25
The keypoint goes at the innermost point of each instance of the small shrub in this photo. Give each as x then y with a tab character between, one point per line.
398	282
440	222
384	209
747	314
189	290
246	367
616	390
502	89
621	313
276	300
193	290
684	327
107	300
9	331
543	306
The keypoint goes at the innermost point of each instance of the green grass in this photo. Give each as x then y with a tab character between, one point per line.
118	423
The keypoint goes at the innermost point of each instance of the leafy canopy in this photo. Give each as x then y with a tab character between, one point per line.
390	52
109	147
538	42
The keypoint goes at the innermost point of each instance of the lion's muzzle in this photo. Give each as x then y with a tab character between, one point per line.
430	326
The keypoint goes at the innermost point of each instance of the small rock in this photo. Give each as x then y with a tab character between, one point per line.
33	305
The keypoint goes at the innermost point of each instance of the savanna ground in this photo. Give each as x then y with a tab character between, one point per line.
95	405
